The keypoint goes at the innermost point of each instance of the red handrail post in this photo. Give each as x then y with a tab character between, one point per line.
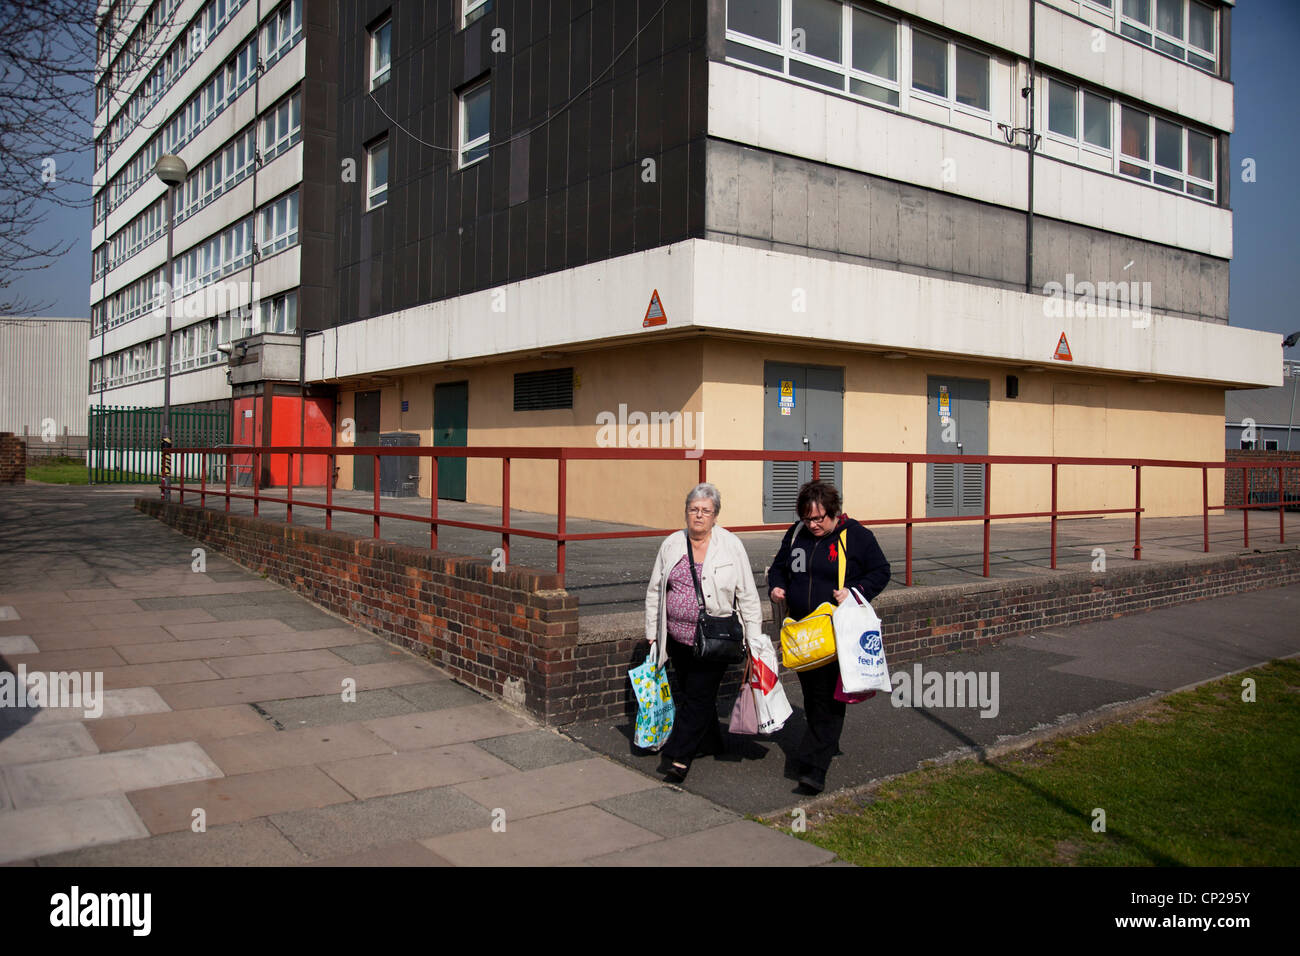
329	492
1054	466
704	471
908	549
1137	514
257	479
1205	506
817	470
562	496
376	496
433	503
227	482
288	504
988	498
505	507
203	479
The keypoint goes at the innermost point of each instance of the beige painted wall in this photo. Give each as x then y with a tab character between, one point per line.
1056	413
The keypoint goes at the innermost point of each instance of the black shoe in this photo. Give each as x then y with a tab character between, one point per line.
814	778
677	770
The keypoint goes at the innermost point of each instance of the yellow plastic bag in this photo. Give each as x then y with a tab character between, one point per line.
810	641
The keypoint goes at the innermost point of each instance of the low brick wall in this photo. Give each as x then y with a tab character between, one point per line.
926	622
512	634
1261	481
516	635
13	459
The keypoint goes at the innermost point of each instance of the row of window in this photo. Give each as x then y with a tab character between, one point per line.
280	128
184	50
137	47
231	249
195	346
1185	29
226	84
843	47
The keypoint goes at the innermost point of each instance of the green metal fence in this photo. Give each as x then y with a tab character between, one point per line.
124	442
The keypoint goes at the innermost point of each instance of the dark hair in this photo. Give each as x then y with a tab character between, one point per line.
821	492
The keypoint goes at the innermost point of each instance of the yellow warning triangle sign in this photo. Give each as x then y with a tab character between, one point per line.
654	313
1063	350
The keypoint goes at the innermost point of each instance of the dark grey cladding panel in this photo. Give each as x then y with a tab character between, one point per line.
775	201
570	128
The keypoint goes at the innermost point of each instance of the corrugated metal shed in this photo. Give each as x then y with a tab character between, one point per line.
43	374
1267	406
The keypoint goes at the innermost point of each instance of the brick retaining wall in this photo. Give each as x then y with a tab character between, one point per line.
13	459
515	634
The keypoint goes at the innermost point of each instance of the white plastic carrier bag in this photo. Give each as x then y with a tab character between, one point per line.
859	646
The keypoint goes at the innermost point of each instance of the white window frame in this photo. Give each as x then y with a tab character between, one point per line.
1126	26
784	50
377	196
471	10
469	145
379	77
1081	93
1152	168
949	98
277	225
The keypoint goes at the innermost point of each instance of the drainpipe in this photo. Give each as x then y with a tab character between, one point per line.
1029	208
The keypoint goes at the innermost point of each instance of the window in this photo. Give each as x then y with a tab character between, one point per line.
278	314
1270	444
475	116
929	64
1184	29
473	9
1182	159
1066	105
538	391
278	225
875	52
282	127
377	174
283	29
934	60
381	53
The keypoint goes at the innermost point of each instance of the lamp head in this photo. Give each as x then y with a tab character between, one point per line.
171	169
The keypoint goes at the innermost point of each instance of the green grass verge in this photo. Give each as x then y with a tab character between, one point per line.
1201	779
59	471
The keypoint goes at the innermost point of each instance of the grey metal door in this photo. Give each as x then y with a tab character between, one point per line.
803	410
957	413
366	412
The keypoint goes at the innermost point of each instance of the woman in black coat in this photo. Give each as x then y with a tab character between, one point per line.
804	574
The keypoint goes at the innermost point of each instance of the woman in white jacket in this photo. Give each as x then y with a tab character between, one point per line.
671	610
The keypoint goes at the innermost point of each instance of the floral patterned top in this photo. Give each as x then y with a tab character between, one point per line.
683	606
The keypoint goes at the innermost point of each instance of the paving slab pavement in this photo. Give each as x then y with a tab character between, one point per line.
228	739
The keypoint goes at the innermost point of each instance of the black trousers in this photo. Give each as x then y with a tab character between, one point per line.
824	715
695	726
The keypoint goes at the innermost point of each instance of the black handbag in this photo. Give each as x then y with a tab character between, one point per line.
720	640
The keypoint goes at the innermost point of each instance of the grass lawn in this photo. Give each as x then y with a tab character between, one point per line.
59	471
1202	779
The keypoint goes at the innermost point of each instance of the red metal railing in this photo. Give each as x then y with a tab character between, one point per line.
562	456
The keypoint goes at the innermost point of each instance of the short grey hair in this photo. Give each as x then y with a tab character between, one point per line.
705	490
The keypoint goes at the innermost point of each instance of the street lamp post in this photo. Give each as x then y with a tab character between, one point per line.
172	171
1287	343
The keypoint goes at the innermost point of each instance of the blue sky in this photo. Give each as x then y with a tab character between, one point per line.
1266	213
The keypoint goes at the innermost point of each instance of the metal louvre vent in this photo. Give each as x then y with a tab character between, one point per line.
945	485
785	485
549	388
972	488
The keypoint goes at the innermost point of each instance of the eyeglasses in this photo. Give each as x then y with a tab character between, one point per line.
817	519
700	512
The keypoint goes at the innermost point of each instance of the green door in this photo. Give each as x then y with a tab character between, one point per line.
451	427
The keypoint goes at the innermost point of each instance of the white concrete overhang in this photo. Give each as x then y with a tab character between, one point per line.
728	291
